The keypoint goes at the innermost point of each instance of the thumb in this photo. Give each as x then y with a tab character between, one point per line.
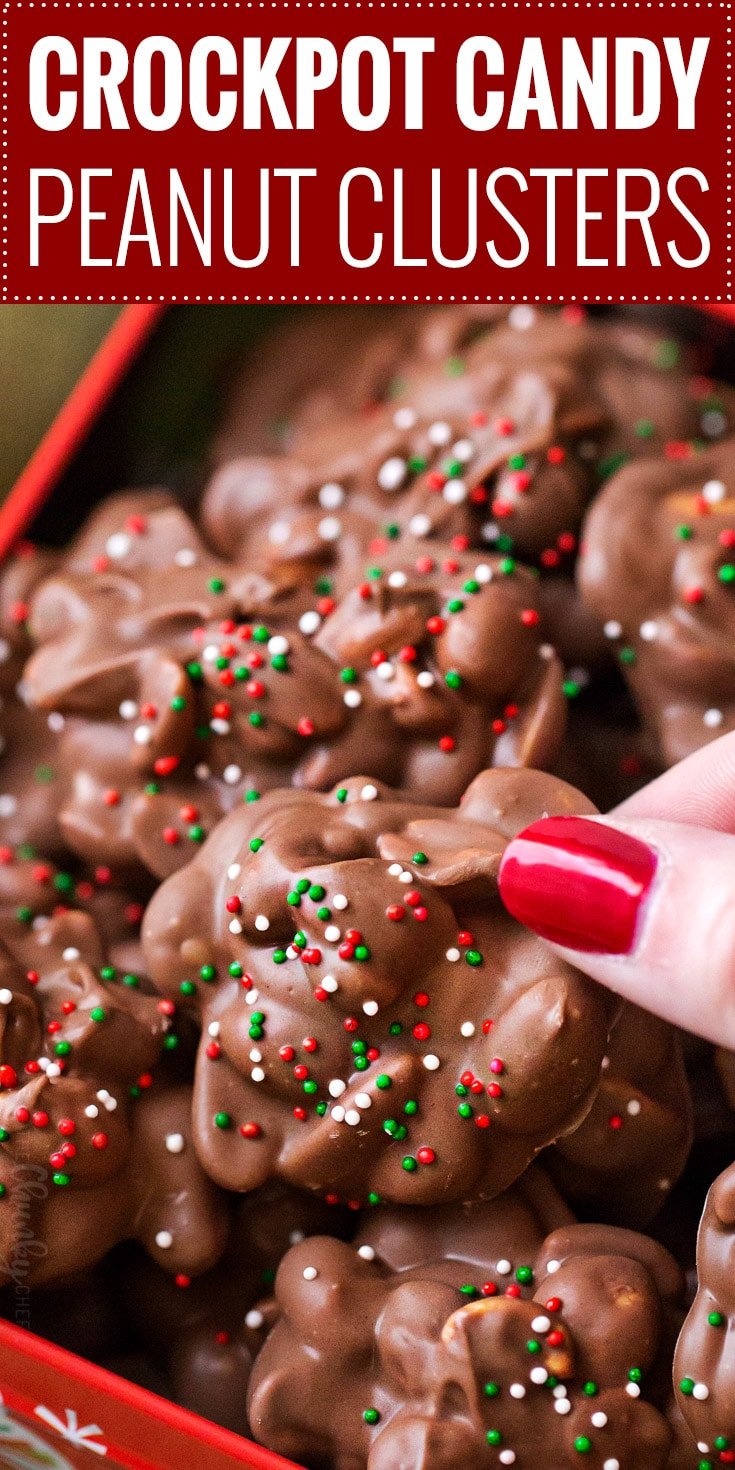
645	907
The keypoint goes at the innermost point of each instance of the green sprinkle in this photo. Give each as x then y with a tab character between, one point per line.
582	1444
24	914
371	1416
715	1319
395	1028
645	428
170	1043
196	833
570	688
108	972
411	1108
61	1179
321	1108
452	679
362	952
261	634
666	353
533	1346
727	573
342	793
590	1389
187	987
635	1375
178	703
358	1047
302	885
252	796
235	970
4	1135
684	533
294	899
255	718
524	1275
373	1198
310	1085
472	585
473	957
63	882
207	973
216	584
222	1120
324	914
97	1013
454	367
44	775
464	1110
279	956
491	1390
316	892
722	1442
507	566
152	788
3	1191
62	1048
409	1164
279	662
494	1436
255	844
383	1082
361	1064
132	981
348	675
517	461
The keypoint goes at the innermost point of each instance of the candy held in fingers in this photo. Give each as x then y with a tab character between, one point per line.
374	1025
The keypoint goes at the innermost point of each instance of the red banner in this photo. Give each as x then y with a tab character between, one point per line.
279	152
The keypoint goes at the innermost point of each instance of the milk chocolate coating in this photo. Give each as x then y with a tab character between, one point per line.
704	1366
623	1160
21	572
464	1350
207	1333
510	440
659	570
371	1016
84	1162
182	686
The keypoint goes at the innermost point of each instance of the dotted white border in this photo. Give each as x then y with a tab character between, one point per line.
365	299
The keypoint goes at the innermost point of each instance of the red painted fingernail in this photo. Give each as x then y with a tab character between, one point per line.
578	883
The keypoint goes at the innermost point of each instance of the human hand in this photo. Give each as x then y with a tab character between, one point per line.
643	899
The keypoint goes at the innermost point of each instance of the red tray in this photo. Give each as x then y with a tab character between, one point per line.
56	1410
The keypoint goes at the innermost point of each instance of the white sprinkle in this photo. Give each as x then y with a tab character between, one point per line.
296	1236
331	496
110	1104
329	984
310	1273
634	1390
521	318
541	1324
309	622
397	579
700	1391
454	492
712	718
118	545
613	629
648	631
262	923
231	775
337	1087
186	557
713	491
562	1406
453	955
70	955
420	524
426	680
395	869
330	528
439	432
490	532
367	1252
538	1375
255	1055
703	1447
507	1457
164	1240
234	926
404	418
340	901
370	1007
142	735
503	1267
279	533
213	1029
713	423
251	996
338	1114
56	722
463	450
392	473
467	1028
219	727
363	1100
431	1062
257	1074
175	1143
611	1465
633	1107
599	1420
552	1268
517	1391
210	654
369	792
54	1070
385	671
254	1318
5	997
332	933
352	1117
202	771
233	871
406	877
91	1111
44	1063
483	573
4	650
278	644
